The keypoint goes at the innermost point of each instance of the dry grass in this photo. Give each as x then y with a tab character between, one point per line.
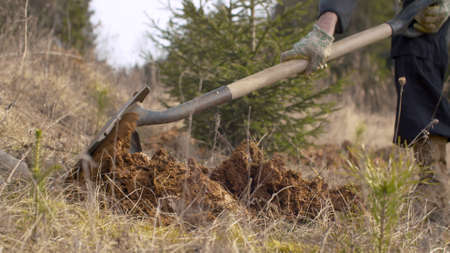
69	97
85	227
348	122
60	225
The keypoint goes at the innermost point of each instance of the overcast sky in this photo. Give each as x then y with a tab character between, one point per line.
122	28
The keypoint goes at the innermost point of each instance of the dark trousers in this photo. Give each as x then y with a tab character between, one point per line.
422	98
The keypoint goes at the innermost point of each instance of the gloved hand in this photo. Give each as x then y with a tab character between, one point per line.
433	17
315	47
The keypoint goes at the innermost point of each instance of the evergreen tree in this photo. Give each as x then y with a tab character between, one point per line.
76	29
206	50
69	19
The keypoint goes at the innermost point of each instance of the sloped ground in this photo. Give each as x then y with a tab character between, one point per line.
253	189
64	95
162	187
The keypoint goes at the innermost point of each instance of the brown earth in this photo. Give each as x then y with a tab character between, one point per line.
268	186
164	188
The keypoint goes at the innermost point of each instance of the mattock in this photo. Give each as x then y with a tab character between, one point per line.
401	24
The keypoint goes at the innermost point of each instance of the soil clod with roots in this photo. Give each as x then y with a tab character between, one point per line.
267	186
166	189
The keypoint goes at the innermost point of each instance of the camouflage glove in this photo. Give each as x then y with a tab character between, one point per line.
315	47
432	18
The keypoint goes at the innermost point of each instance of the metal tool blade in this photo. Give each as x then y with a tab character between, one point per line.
109	126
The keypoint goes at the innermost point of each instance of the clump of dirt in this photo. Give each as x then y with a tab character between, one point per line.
161	184
116	144
166	189
269	186
160	187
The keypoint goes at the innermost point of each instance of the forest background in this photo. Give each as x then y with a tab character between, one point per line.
56	94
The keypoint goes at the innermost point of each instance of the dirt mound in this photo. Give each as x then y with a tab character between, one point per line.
269	186
160	187
165	188
161	183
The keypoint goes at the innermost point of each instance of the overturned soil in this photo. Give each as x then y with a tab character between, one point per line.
266	185
166	189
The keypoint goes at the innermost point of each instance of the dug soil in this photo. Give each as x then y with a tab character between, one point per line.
169	190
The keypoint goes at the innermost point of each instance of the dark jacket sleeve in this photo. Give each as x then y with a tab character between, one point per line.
343	8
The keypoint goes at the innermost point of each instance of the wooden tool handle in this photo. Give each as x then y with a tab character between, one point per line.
259	80
294	67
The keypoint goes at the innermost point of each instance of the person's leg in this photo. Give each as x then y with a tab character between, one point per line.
422	102
431	154
433	189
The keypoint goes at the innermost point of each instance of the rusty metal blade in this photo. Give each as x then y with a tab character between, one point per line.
109	126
